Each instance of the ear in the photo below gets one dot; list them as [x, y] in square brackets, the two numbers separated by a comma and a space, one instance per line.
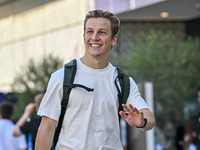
[114, 40]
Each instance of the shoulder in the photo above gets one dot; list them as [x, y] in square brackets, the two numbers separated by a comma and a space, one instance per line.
[57, 77]
[132, 83]
[59, 73]
[133, 87]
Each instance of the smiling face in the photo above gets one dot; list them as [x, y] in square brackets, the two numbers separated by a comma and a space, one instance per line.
[97, 38]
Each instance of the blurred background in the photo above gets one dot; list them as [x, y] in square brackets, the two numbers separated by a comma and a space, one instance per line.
[158, 43]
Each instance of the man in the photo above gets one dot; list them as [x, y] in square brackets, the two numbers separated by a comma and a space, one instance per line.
[7, 140]
[91, 119]
[27, 125]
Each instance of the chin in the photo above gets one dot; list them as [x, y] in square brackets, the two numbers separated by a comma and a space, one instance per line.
[95, 53]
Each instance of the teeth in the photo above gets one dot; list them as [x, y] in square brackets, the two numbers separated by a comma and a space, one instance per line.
[94, 45]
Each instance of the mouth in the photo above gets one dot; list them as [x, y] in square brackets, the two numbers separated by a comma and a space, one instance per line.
[95, 45]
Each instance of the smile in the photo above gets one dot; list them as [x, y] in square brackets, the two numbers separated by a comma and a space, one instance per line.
[95, 45]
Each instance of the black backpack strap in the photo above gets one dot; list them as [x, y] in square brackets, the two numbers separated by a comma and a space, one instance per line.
[123, 94]
[69, 75]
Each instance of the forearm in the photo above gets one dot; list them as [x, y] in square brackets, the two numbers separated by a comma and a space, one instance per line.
[21, 121]
[45, 135]
[44, 139]
[150, 119]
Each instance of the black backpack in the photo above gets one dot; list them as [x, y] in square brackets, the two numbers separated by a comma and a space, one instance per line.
[69, 75]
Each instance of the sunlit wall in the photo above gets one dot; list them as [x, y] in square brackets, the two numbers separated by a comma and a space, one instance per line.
[55, 28]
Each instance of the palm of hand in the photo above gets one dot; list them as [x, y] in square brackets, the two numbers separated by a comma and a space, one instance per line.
[134, 117]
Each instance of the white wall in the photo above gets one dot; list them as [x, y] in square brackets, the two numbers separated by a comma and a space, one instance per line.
[55, 28]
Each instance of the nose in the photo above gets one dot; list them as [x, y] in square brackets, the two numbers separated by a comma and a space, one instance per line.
[95, 36]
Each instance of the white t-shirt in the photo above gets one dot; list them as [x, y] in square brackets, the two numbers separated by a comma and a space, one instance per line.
[7, 140]
[91, 119]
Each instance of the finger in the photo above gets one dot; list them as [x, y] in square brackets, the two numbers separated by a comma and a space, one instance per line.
[126, 107]
[122, 114]
[134, 109]
[141, 113]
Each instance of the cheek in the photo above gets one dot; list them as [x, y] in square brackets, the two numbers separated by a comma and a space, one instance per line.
[86, 39]
[107, 40]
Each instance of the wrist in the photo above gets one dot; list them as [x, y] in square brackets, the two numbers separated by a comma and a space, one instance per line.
[145, 122]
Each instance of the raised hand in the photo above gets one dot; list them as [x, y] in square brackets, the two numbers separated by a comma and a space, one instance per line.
[134, 117]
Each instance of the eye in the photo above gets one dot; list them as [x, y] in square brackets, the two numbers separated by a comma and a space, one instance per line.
[102, 32]
[89, 31]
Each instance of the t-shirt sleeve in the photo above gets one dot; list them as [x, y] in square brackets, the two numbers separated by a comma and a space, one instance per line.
[51, 102]
[135, 97]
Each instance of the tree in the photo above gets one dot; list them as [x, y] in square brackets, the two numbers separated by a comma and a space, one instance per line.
[172, 65]
[33, 79]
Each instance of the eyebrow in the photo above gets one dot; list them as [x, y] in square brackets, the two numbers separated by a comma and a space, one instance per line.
[99, 29]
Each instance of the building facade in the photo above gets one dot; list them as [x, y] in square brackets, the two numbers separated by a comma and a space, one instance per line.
[54, 27]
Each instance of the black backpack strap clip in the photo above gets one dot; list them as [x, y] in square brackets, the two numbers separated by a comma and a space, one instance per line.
[81, 86]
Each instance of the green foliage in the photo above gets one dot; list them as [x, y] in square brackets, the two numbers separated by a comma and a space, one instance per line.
[172, 65]
[33, 79]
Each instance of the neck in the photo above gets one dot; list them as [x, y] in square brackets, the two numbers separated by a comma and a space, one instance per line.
[94, 63]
